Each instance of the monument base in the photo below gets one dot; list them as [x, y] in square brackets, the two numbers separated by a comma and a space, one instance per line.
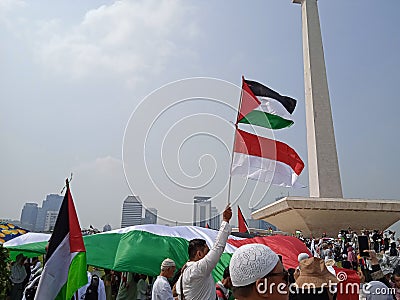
[318, 215]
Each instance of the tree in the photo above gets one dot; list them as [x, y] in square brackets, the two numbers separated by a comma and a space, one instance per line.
[4, 270]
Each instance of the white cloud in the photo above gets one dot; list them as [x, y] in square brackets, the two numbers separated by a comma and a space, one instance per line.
[8, 5]
[132, 38]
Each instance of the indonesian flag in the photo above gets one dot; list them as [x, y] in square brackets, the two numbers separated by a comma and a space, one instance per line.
[65, 269]
[263, 159]
[261, 106]
[242, 224]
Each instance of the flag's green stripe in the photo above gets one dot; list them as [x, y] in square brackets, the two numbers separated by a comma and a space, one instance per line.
[263, 119]
[77, 277]
[220, 267]
[135, 251]
[28, 250]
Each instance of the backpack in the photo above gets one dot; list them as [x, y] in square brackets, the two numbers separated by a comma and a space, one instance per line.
[92, 290]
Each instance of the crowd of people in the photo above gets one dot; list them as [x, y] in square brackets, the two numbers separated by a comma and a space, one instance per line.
[254, 272]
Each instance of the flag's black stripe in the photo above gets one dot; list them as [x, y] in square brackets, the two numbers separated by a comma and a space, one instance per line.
[262, 91]
[61, 228]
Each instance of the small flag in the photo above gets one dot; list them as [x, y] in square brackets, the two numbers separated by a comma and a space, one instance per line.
[261, 106]
[65, 269]
[242, 224]
[263, 159]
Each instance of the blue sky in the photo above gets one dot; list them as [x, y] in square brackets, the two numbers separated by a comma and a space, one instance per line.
[73, 74]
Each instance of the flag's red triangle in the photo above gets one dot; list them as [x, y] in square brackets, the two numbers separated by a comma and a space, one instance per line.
[242, 224]
[248, 102]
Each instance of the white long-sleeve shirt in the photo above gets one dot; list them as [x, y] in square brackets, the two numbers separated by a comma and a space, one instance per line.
[161, 289]
[198, 283]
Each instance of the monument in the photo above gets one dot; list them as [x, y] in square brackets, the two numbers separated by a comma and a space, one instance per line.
[325, 210]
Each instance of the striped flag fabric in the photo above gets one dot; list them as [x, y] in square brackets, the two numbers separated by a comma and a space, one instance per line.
[267, 160]
[142, 248]
[262, 106]
[242, 224]
[64, 271]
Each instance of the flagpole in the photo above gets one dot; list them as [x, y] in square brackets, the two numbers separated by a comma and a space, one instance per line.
[234, 141]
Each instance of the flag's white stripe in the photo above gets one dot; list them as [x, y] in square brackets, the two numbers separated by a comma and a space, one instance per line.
[186, 232]
[273, 107]
[55, 271]
[264, 169]
[27, 238]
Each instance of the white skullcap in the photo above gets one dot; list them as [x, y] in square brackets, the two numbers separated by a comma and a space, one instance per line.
[251, 262]
[167, 263]
[302, 256]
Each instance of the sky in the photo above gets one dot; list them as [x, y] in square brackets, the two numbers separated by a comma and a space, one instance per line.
[99, 89]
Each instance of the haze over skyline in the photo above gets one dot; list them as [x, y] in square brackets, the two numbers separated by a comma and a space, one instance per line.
[72, 76]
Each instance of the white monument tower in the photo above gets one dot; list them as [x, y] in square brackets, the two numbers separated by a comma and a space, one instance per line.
[324, 176]
[325, 210]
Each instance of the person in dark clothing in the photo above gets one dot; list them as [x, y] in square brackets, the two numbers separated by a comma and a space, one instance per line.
[393, 251]
[27, 266]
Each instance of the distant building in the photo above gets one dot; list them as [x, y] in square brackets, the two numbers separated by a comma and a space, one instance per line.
[29, 215]
[51, 203]
[215, 218]
[131, 212]
[259, 224]
[150, 216]
[201, 211]
[50, 221]
[107, 227]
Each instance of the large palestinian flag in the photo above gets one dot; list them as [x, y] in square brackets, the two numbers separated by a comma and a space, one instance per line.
[267, 160]
[261, 106]
[65, 269]
[142, 248]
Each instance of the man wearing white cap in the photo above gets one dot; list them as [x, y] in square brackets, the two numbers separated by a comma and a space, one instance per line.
[196, 281]
[161, 288]
[257, 273]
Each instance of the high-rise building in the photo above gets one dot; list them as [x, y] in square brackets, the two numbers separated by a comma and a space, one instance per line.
[150, 216]
[131, 211]
[215, 218]
[201, 211]
[29, 215]
[50, 221]
[51, 203]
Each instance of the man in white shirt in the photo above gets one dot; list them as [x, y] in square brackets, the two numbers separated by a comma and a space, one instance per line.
[161, 287]
[196, 280]
[18, 275]
[142, 288]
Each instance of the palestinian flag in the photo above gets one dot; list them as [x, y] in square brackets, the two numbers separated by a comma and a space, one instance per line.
[65, 269]
[242, 224]
[263, 159]
[261, 106]
[142, 248]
